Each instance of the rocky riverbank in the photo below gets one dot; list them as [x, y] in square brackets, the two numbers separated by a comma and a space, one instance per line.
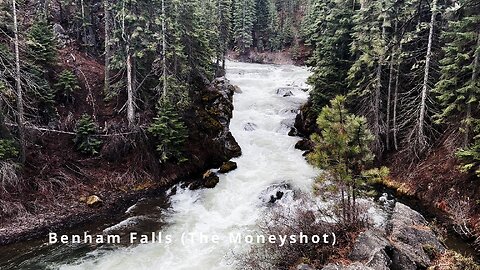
[210, 144]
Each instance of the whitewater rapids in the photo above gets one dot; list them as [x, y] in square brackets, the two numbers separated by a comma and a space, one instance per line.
[262, 117]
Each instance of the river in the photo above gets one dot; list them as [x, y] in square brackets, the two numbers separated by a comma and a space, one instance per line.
[261, 120]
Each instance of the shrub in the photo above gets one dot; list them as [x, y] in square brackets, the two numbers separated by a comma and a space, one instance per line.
[67, 84]
[85, 140]
[8, 149]
[169, 132]
[470, 157]
[305, 217]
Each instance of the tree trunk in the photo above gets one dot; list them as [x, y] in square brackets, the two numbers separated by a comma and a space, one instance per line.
[130, 96]
[84, 27]
[107, 47]
[389, 100]
[164, 52]
[18, 83]
[377, 95]
[395, 99]
[421, 136]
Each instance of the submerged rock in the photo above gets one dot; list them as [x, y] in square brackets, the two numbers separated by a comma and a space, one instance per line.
[276, 192]
[250, 127]
[285, 91]
[227, 167]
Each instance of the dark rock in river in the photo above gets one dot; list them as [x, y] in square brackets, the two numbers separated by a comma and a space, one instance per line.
[250, 127]
[275, 193]
[304, 145]
[285, 91]
[305, 121]
[209, 180]
[227, 167]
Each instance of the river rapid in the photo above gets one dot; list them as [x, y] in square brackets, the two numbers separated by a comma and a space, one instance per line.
[263, 115]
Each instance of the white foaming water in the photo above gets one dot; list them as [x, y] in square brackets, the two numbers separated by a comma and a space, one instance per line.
[234, 205]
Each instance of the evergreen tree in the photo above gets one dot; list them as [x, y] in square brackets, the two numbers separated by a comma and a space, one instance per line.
[243, 21]
[327, 29]
[41, 43]
[369, 47]
[342, 149]
[459, 87]
[169, 133]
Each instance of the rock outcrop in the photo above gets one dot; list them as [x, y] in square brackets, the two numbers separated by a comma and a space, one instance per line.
[405, 244]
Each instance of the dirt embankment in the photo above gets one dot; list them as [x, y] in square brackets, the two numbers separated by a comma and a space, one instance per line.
[56, 179]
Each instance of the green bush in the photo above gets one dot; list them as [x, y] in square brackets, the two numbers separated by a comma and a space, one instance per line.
[470, 156]
[67, 84]
[169, 132]
[8, 149]
[85, 140]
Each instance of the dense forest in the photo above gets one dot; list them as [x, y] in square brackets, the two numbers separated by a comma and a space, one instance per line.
[88, 86]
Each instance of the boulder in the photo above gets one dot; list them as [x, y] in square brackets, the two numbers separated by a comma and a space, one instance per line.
[227, 167]
[93, 201]
[210, 179]
[367, 244]
[410, 237]
[237, 89]
[285, 91]
[304, 266]
[353, 266]
[304, 145]
[404, 245]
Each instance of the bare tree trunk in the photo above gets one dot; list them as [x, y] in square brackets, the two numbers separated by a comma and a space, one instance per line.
[108, 53]
[130, 96]
[84, 27]
[18, 82]
[395, 99]
[389, 92]
[377, 95]
[164, 52]
[421, 136]
[389, 99]
[475, 71]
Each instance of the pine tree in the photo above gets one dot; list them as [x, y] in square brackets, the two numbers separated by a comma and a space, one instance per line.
[342, 149]
[459, 87]
[85, 140]
[41, 43]
[243, 21]
[169, 133]
[366, 74]
[470, 156]
[66, 85]
[327, 29]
